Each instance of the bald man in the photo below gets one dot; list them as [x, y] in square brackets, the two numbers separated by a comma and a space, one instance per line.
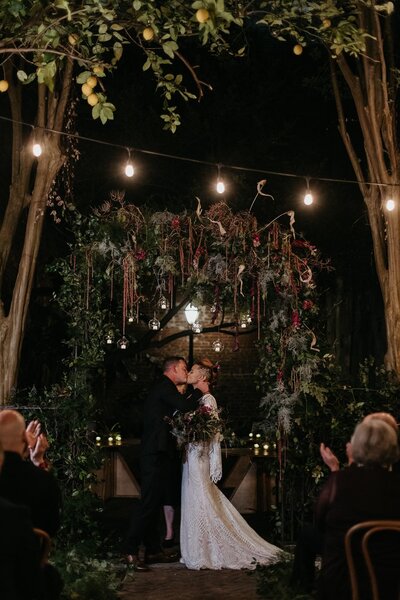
[23, 483]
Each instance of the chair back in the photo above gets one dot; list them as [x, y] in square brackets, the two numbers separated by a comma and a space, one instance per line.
[44, 545]
[370, 528]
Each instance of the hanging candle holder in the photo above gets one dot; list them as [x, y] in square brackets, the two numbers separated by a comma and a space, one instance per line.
[218, 346]
[154, 323]
[163, 303]
[197, 327]
[110, 337]
[123, 343]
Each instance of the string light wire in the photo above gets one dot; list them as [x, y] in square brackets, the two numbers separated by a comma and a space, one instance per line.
[198, 161]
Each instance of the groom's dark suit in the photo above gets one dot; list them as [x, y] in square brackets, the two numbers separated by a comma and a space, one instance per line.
[157, 450]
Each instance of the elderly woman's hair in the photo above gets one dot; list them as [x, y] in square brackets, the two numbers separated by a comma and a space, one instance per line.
[374, 442]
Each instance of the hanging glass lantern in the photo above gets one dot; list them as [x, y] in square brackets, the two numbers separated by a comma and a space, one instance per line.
[154, 324]
[123, 343]
[197, 327]
[243, 322]
[218, 346]
[109, 337]
[163, 303]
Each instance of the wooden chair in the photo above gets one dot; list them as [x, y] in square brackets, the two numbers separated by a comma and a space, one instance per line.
[44, 544]
[370, 528]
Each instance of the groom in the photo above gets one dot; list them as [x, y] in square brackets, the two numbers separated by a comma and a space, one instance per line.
[157, 452]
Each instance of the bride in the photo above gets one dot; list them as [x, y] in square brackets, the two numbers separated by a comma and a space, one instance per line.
[213, 534]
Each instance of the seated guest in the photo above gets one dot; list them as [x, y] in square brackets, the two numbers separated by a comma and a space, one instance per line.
[366, 490]
[310, 540]
[19, 552]
[23, 483]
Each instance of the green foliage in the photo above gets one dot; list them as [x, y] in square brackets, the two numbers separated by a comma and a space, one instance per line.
[86, 578]
[94, 36]
[273, 582]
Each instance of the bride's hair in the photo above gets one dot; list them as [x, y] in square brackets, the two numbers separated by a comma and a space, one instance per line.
[208, 370]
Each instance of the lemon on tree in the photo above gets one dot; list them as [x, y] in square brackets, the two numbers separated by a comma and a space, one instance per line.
[202, 15]
[86, 89]
[3, 85]
[92, 99]
[326, 23]
[148, 34]
[91, 81]
[298, 49]
[98, 70]
[73, 39]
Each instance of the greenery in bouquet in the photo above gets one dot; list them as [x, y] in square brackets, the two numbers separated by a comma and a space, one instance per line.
[199, 425]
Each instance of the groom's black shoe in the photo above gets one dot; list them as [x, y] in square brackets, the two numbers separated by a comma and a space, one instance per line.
[160, 557]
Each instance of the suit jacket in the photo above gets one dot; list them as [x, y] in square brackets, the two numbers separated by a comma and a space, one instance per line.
[23, 483]
[19, 554]
[350, 496]
[163, 400]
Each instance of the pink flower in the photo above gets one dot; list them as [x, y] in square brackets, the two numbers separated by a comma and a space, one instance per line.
[308, 304]
[256, 240]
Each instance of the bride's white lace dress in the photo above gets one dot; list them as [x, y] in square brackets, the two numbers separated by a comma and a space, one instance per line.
[213, 534]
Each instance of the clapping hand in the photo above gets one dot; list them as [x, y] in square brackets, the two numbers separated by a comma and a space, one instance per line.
[37, 443]
[329, 458]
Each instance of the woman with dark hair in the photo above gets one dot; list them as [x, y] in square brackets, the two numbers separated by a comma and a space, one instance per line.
[213, 534]
[367, 490]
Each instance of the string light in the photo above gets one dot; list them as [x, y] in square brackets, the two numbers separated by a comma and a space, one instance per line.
[308, 198]
[129, 168]
[390, 205]
[220, 187]
[197, 161]
[36, 147]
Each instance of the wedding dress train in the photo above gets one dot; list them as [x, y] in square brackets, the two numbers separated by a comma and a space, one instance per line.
[213, 533]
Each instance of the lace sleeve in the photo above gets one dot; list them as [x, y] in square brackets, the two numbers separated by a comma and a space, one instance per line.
[215, 458]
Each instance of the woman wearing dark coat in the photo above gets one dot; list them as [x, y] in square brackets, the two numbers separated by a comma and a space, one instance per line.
[366, 490]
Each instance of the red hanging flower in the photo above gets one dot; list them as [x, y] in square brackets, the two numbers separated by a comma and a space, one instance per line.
[140, 255]
[308, 304]
[175, 223]
[256, 240]
[296, 319]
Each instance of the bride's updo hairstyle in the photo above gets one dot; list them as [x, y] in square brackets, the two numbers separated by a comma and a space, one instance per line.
[208, 370]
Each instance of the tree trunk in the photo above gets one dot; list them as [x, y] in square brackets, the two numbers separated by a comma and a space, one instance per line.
[377, 169]
[50, 115]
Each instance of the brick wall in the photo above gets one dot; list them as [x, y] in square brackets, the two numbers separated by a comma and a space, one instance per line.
[235, 390]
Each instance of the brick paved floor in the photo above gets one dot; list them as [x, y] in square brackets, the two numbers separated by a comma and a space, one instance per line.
[175, 582]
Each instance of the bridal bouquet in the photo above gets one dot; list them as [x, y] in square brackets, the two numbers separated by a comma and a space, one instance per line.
[199, 425]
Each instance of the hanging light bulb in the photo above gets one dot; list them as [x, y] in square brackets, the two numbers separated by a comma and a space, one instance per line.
[131, 318]
[308, 198]
[37, 149]
[218, 346]
[390, 205]
[129, 168]
[220, 187]
[163, 303]
[197, 327]
[154, 323]
[191, 313]
[123, 343]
